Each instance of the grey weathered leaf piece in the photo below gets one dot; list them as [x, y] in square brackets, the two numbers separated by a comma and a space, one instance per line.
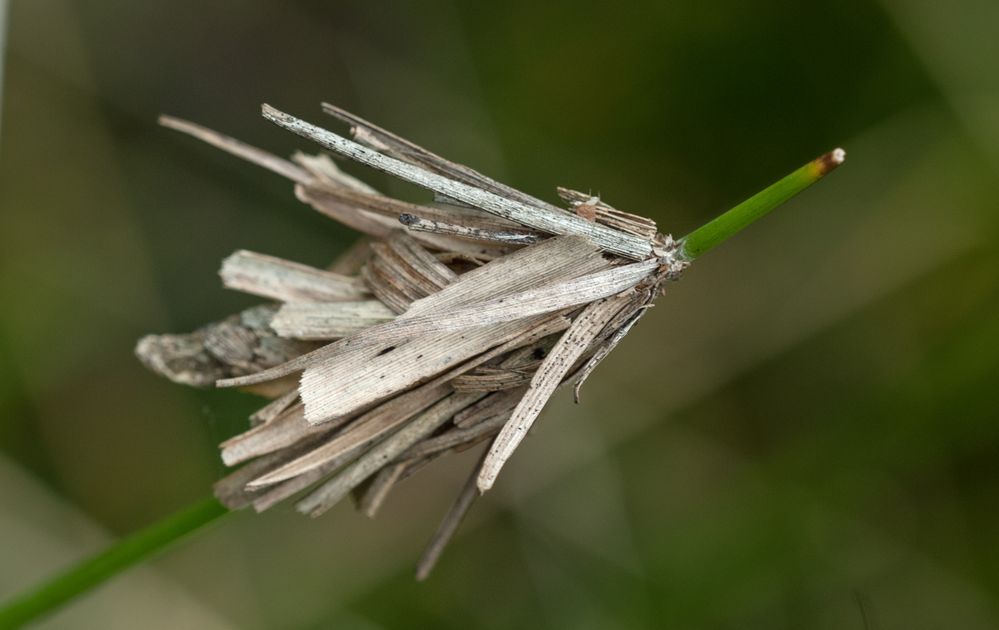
[328, 320]
[285, 281]
[451, 323]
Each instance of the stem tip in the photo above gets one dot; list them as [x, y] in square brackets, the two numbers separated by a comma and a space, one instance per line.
[825, 164]
[735, 220]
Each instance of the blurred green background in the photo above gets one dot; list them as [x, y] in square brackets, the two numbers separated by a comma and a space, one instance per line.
[803, 434]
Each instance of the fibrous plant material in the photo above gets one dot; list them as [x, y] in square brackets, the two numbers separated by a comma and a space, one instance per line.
[452, 323]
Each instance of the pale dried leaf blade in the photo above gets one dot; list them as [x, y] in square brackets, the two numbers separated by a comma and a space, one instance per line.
[328, 320]
[456, 437]
[326, 202]
[231, 489]
[238, 148]
[570, 347]
[351, 260]
[331, 492]
[279, 279]
[507, 237]
[403, 271]
[449, 525]
[274, 408]
[328, 174]
[392, 208]
[493, 405]
[287, 429]
[421, 260]
[373, 372]
[605, 349]
[551, 222]
[551, 260]
[363, 432]
[513, 336]
[555, 259]
[536, 301]
[379, 489]
[387, 142]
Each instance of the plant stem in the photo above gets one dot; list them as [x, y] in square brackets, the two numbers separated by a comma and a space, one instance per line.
[92, 571]
[147, 542]
[735, 220]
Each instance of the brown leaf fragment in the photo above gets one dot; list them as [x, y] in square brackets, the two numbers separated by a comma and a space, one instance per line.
[570, 347]
[446, 530]
[587, 211]
[287, 281]
[394, 274]
[409, 281]
[384, 286]
[402, 271]
[592, 208]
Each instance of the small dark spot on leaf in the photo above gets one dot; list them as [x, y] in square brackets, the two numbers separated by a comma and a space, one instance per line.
[386, 351]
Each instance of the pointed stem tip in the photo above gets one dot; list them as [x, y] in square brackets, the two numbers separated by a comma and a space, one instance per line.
[738, 218]
[828, 162]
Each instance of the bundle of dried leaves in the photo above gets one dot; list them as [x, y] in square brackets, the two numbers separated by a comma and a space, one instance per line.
[452, 323]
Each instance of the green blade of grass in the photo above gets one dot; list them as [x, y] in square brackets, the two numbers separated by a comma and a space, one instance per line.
[738, 218]
[131, 550]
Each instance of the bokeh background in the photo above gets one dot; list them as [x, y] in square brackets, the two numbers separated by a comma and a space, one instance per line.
[803, 434]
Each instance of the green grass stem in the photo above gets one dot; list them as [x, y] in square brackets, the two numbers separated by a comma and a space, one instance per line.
[138, 547]
[738, 218]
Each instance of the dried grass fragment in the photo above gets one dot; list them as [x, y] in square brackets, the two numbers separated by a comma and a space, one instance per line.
[452, 323]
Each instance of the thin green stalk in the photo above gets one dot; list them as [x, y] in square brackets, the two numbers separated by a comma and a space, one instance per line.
[92, 571]
[146, 543]
[735, 220]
